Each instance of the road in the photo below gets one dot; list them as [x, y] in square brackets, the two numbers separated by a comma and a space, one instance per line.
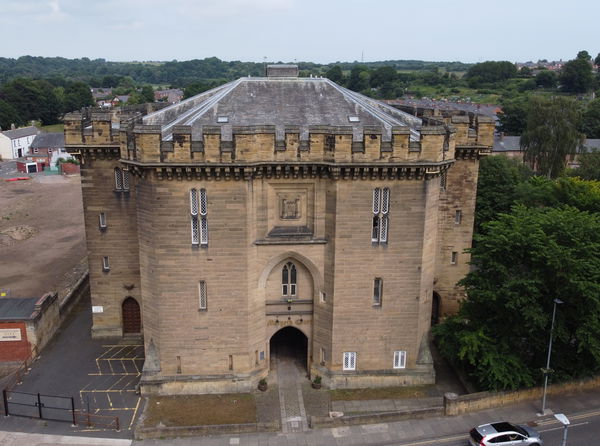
[583, 431]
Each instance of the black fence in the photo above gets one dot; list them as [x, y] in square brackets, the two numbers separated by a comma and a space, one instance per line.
[36, 405]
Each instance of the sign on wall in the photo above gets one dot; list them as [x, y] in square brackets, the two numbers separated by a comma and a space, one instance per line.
[10, 334]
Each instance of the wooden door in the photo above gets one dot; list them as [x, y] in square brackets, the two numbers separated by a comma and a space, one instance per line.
[132, 320]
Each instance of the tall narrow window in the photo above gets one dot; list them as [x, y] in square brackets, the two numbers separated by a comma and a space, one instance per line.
[457, 217]
[349, 361]
[105, 264]
[381, 209]
[454, 257]
[102, 220]
[443, 180]
[377, 291]
[400, 359]
[125, 180]
[121, 179]
[288, 280]
[118, 179]
[199, 221]
[323, 356]
[202, 296]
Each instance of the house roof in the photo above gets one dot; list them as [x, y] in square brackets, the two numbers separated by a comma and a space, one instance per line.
[49, 141]
[282, 101]
[513, 143]
[507, 144]
[22, 132]
[17, 308]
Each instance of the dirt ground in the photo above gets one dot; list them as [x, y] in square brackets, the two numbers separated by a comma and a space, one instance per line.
[42, 236]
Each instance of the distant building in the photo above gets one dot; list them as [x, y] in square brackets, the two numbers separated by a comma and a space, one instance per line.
[15, 143]
[172, 95]
[271, 211]
[51, 145]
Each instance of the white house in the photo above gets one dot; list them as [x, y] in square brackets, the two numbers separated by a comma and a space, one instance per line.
[15, 143]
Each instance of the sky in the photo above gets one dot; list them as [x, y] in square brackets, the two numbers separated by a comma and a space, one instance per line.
[321, 31]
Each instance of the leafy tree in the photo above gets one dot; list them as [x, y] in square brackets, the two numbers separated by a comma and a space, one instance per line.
[525, 72]
[522, 262]
[513, 117]
[575, 192]
[335, 74]
[576, 76]
[147, 94]
[551, 134]
[546, 79]
[589, 166]
[489, 72]
[359, 78]
[597, 60]
[591, 119]
[32, 100]
[497, 185]
[584, 55]
[8, 115]
[76, 96]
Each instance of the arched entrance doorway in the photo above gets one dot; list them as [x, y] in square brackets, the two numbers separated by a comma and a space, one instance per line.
[290, 345]
[132, 320]
[435, 308]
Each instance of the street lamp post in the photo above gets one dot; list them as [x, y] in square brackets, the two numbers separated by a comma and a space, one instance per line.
[547, 369]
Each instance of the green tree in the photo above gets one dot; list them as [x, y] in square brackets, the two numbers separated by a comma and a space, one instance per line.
[546, 79]
[513, 117]
[8, 115]
[576, 76]
[335, 74]
[76, 96]
[589, 166]
[551, 134]
[497, 185]
[147, 94]
[490, 72]
[522, 262]
[591, 119]
[584, 55]
[359, 78]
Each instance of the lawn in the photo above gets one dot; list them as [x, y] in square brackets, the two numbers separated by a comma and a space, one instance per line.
[199, 410]
[383, 393]
[54, 128]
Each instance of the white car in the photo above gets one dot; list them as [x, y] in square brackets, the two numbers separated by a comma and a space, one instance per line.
[504, 434]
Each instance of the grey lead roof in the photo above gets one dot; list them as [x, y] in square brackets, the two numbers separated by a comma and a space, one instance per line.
[49, 141]
[17, 308]
[20, 133]
[281, 102]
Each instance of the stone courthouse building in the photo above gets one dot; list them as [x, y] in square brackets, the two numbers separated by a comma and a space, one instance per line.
[273, 210]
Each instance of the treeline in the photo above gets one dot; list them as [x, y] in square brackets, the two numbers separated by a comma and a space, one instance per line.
[23, 100]
[179, 74]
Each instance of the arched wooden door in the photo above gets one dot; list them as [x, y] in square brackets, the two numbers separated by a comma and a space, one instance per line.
[132, 319]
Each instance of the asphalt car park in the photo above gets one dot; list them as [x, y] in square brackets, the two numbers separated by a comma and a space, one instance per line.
[101, 376]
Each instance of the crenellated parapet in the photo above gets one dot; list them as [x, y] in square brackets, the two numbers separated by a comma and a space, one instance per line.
[255, 144]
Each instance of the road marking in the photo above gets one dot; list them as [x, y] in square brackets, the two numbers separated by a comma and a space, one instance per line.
[434, 441]
[135, 412]
[561, 427]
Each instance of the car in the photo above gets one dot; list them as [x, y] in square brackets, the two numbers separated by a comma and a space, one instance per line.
[504, 434]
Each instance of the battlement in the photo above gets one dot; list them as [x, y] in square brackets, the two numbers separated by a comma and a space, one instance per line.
[249, 144]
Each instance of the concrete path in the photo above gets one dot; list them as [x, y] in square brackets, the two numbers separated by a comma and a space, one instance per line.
[289, 376]
[22, 439]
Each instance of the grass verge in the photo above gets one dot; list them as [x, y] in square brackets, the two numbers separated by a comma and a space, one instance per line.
[383, 393]
[200, 410]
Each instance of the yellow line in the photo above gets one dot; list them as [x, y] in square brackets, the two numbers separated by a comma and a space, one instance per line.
[123, 345]
[113, 374]
[436, 441]
[107, 391]
[135, 412]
